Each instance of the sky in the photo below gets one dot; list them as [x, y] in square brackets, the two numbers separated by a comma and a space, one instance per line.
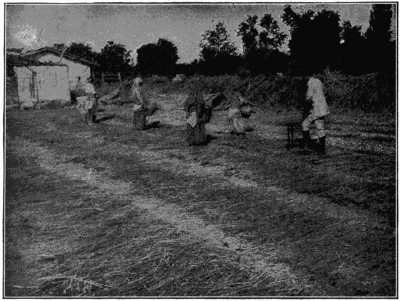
[31, 26]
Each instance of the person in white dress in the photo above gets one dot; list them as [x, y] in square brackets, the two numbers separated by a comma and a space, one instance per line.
[316, 100]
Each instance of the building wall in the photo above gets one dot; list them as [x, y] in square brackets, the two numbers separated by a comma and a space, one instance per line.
[75, 69]
[27, 94]
[42, 83]
[53, 83]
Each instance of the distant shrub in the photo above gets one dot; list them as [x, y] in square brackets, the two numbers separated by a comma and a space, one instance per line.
[367, 93]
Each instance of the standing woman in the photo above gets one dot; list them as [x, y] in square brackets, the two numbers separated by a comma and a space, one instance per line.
[87, 102]
[197, 115]
[91, 102]
[142, 107]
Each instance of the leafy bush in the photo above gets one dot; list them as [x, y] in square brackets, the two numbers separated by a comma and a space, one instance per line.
[367, 93]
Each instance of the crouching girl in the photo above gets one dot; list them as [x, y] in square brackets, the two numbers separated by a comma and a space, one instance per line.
[240, 109]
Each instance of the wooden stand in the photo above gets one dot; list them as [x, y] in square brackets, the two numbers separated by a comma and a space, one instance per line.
[291, 129]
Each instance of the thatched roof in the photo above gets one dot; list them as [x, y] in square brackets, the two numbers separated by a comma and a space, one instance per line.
[45, 50]
[19, 61]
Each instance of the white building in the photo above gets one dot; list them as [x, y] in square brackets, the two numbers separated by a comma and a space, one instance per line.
[77, 67]
[41, 83]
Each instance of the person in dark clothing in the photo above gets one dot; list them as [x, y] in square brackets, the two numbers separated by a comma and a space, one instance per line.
[197, 115]
[143, 107]
[87, 103]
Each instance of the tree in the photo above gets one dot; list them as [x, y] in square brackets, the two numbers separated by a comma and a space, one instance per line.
[157, 58]
[380, 47]
[82, 50]
[271, 38]
[261, 46]
[145, 59]
[216, 43]
[315, 39]
[326, 27]
[248, 32]
[218, 54]
[168, 56]
[352, 49]
[115, 57]
[379, 23]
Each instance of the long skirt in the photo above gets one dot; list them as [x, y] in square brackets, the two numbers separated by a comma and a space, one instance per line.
[151, 109]
[139, 115]
[196, 135]
[87, 106]
[139, 120]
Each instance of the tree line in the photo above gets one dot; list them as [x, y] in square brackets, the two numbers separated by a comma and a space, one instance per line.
[317, 41]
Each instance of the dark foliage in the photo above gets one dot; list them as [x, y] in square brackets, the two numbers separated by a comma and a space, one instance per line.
[157, 58]
[260, 46]
[352, 50]
[315, 39]
[381, 50]
[319, 42]
[114, 57]
[83, 51]
[218, 54]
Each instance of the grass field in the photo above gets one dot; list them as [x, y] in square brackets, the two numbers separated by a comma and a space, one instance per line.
[105, 211]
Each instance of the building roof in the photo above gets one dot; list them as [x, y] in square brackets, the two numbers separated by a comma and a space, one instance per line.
[45, 50]
[14, 51]
[19, 61]
[36, 64]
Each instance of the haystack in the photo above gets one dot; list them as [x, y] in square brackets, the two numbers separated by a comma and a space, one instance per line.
[179, 78]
